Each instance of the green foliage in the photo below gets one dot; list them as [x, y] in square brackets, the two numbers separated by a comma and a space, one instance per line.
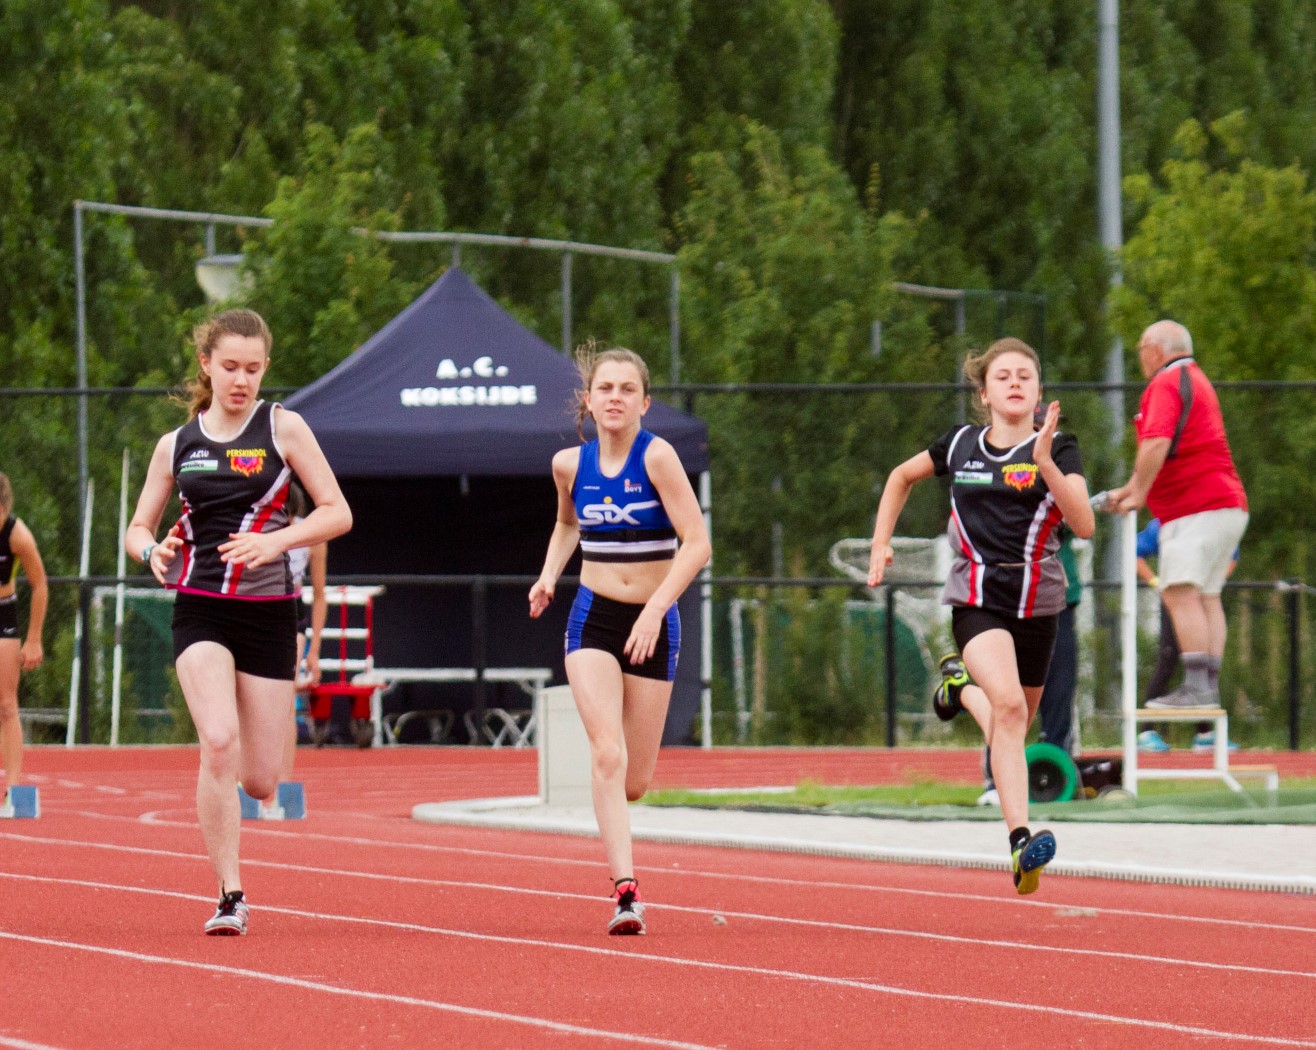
[329, 286]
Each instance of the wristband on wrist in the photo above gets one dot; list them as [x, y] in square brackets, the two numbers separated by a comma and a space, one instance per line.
[1154, 583]
[146, 553]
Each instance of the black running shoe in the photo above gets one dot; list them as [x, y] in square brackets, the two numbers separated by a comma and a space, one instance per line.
[230, 918]
[630, 912]
[946, 698]
[1030, 858]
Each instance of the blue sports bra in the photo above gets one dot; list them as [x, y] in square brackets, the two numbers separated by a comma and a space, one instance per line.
[622, 518]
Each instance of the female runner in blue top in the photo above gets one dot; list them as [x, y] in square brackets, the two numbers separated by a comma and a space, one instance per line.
[626, 499]
[235, 613]
[1011, 487]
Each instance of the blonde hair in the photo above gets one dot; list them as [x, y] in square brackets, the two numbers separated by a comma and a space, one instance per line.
[588, 359]
[977, 367]
[6, 495]
[207, 335]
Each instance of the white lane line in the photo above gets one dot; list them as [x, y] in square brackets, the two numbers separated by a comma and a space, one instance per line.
[23, 1044]
[771, 880]
[357, 993]
[820, 924]
[758, 971]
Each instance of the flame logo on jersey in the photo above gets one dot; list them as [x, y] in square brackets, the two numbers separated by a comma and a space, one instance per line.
[246, 461]
[1019, 476]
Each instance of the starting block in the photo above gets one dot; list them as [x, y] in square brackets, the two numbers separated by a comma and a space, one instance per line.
[289, 803]
[24, 803]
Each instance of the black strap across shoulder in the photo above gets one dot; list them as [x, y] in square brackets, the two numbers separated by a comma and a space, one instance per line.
[1186, 395]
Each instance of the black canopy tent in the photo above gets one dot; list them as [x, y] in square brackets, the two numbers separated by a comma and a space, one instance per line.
[441, 429]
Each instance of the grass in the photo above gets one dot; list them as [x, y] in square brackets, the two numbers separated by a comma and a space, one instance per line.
[1163, 800]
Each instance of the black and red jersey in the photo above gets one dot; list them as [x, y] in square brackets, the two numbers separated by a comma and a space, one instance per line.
[8, 560]
[237, 485]
[1004, 523]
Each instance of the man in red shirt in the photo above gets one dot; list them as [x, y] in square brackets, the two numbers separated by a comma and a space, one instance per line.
[1186, 477]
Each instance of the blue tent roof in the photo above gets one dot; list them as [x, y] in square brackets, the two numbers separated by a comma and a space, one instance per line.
[455, 385]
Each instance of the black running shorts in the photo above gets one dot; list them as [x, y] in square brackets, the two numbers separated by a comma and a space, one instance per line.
[1034, 638]
[261, 635]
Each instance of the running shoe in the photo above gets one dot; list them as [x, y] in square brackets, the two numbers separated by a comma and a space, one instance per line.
[230, 918]
[6, 807]
[630, 912]
[946, 697]
[1152, 741]
[1030, 858]
[1206, 742]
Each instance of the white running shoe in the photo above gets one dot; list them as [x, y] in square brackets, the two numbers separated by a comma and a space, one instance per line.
[629, 918]
[230, 918]
[989, 798]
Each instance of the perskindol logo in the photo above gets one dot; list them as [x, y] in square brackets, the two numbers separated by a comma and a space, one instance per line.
[246, 461]
[609, 513]
[1019, 475]
[470, 395]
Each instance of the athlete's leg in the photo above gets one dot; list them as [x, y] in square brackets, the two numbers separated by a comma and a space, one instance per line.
[990, 659]
[598, 688]
[264, 716]
[11, 727]
[205, 671]
[644, 713]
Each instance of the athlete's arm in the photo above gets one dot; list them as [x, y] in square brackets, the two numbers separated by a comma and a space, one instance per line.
[319, 609]
[24, 546]
[156, 490]
[1070, 490]
[894, 496]
[669, 478]
[566, 532]
[330, 517]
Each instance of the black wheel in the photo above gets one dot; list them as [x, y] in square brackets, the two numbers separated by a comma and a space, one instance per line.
[1052, 775]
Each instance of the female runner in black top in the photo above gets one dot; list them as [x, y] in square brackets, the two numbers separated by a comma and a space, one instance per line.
[18, 547]
[1011, 487]
[235, 614]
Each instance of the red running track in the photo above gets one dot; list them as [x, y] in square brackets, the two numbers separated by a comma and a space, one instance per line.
[371, 930]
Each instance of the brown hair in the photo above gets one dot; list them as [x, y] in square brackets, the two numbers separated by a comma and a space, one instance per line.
[588, 359]
[207, 335]
[6, 495]
[977, 367]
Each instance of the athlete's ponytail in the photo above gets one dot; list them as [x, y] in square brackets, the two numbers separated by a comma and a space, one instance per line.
[588, 359]
[206, 336]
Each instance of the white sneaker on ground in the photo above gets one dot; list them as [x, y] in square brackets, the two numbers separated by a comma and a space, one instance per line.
[989, 798]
